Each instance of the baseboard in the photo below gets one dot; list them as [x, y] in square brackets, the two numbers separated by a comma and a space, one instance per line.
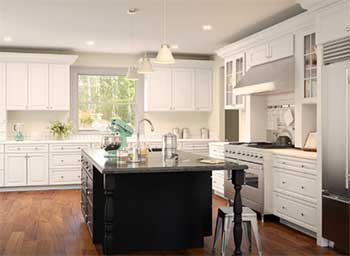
[38, 188]
[300, 229]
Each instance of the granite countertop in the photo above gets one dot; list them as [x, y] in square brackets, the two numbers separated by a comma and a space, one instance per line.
[293, 152]
[187, 162]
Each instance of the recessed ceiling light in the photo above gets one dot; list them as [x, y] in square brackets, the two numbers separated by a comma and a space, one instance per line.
[207, 27]
[90, 43]
[132, 11]
[7, 39]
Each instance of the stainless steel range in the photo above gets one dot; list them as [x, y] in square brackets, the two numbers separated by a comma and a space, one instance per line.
[253, 190]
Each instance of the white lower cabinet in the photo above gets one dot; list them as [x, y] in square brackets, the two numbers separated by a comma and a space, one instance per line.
[295, 191]
[65, 177]
[216, 150]
[37, 169]
[15, 170]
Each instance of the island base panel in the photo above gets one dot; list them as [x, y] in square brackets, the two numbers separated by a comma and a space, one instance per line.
[158, 211]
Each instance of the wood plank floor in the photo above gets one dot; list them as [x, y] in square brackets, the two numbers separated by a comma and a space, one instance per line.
[50, 223]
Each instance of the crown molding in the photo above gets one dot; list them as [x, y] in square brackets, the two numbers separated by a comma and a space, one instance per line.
[38, 57]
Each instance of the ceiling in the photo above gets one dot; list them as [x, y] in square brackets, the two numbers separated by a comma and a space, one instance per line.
[68, 24]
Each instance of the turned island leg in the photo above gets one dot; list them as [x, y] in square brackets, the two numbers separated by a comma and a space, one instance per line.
[109, 214]
[237, 181]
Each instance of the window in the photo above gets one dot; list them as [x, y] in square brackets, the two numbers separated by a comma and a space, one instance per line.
[103, 97]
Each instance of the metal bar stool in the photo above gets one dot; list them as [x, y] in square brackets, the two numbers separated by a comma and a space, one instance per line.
[225, 221]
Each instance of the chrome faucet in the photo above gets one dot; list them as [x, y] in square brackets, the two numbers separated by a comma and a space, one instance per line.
[138, 130]
[136, 150]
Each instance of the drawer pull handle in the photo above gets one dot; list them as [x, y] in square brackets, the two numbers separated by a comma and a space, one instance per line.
[302, 187]
[283, 207]
[302, 166]
[283, 182]
[302, 214]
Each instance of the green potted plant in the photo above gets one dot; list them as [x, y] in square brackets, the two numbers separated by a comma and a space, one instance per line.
[60, 129]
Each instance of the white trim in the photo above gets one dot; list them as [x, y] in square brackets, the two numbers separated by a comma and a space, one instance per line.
[39, 188]
[38, 58]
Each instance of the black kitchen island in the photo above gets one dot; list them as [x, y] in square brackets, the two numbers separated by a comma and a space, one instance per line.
[152, 206]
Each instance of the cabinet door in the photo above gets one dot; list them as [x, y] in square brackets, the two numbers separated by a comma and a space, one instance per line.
[183, 89]
[59, 87]
[17, 86]
[158, 90]
[203, 89]
[15, 170]
[2, 93]
[257, 55]
[38, 86]
[281, 48]
[38, 169]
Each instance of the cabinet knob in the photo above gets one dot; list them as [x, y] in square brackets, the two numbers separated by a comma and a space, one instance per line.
[62, 160]
[302, 187]
[283, 207]
[283, 182]
[62, 177]
[302, 214]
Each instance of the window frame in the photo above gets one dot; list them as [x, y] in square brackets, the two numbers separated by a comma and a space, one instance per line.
[74, 98]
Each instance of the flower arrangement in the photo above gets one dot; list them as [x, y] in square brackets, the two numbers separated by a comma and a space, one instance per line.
[60, 129]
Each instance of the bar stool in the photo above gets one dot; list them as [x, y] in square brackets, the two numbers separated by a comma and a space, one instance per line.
[225, 221]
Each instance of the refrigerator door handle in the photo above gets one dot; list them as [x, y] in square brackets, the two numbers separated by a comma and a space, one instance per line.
[347, 128]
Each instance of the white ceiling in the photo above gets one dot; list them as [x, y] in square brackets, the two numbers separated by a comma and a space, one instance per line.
[67, 24]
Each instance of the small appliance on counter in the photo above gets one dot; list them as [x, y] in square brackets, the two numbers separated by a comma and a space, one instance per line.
[115, 144]
[169, 146]
[177, 132]
[204, 133]
[186, 133]
[18, 133]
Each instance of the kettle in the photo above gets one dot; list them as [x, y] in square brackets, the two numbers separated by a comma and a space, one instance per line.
[284, 141]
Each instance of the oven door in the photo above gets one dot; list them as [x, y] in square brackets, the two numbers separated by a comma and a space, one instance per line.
[253, 188]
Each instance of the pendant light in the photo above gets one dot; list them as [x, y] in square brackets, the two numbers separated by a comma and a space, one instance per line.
[145, 66]
[132, 74]
[164, 55]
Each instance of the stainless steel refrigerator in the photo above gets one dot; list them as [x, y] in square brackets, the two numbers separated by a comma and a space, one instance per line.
[335, 115]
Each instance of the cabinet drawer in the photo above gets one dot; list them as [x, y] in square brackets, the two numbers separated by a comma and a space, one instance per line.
[14, 148]
[295, 184]
[2, 180]
[296, 164]
[2, 165]
[68, 147]
[61, 160]
[296, 212]
[65, 177]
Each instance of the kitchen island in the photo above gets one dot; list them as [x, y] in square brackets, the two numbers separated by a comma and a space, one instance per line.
[152, 206]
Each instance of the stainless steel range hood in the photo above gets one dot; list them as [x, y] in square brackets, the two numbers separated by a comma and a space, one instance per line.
[269, 78]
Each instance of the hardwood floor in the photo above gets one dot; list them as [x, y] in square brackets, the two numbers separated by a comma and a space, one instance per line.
[50, 223]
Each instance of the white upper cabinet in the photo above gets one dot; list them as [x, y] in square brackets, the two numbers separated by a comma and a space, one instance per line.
[59, 87]
[2, 93]
[203, 89]
[38, 86]
[37, 169]
[16, 170]
[334, 23]
[183, 89]
[37, 81]
[158, 90]
[274, 50]
[234, 71]
[17, 86]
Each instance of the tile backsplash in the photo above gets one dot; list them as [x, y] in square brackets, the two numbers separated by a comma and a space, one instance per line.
[280, 121]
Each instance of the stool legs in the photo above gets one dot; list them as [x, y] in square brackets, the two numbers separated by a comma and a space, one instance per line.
[226, 227]
[254, 226]
[217, 230]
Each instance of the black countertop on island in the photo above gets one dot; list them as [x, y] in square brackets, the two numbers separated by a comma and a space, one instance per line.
[187, 162]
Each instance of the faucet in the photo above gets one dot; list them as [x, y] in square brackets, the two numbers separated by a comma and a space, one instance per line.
[138, 130]
[136, 150]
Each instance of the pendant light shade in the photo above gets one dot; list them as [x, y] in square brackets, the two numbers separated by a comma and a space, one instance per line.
[145, 66]
[164, 55]
[132, 74]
